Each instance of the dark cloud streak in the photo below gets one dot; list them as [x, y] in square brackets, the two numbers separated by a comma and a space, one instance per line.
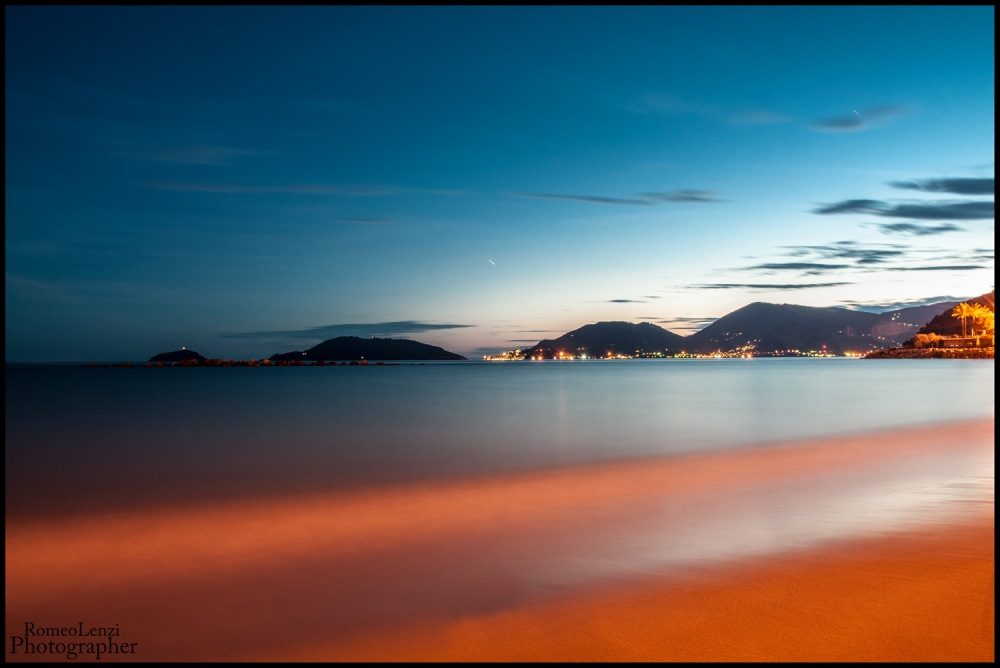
[592, 199]
[953, 267]
[962, 186]
[883, 307]
[849, 250]
[918, 230]
[967, 210]
[331, 331]
[688, 196]
[691, 196]
[767, 286]
[856, 122]
[807, 267]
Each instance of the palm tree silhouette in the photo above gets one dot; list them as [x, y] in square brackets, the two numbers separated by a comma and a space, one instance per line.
[983, 317]
[963, 311]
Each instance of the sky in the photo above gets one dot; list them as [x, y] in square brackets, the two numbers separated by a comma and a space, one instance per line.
[246, 181]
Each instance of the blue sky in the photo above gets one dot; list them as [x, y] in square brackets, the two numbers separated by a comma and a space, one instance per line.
[244, 181]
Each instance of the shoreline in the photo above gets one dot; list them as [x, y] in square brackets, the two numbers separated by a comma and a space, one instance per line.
[932, 353]
[925, 596]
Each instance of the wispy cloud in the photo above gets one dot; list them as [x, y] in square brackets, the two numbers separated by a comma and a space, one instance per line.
[918, 230]
[767, 286]
[857, 121]
[684, 323]
[862, 254]
[698, 196]
[626, 301]
[958, 186]
[367, 221]
[537, 331]
[668, 103]
[882, 306]
[805, 267]
[950, 210]
[352, 190]
[758, 117]
[190, 154]
[362, 330]
[644, 199]
[951, 267]
[674, 105]
[304, 189]
[875, 257]
[593, 199]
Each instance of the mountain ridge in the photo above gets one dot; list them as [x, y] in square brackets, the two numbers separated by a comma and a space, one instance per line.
[758, 328]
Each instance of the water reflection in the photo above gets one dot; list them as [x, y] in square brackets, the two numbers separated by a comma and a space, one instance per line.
[79, 439]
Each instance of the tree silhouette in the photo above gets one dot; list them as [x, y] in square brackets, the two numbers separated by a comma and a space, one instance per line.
[984, 317]
[964, 311]
[926, 340]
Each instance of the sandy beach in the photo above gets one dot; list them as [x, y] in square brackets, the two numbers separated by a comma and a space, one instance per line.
[857, 548]
[927, 596]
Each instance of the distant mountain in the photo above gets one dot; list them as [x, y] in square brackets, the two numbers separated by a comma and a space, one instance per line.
[177, 356]
[614, 338]
[355, 348]
[778, 327]
[945, 324]
[762, 327]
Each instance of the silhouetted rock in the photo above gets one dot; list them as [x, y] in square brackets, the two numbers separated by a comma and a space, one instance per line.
[355, 348]
[177, 356]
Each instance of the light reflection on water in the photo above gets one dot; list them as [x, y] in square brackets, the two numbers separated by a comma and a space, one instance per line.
[678, 534]
[79, 438]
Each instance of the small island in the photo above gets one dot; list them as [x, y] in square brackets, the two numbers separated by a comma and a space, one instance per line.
[356, 348]
[182, 355]
[350, 350]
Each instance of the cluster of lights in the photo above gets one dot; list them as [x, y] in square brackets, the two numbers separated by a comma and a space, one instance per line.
[746, 352]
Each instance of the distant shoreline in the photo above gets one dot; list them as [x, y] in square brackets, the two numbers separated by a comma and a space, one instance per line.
[932, 353]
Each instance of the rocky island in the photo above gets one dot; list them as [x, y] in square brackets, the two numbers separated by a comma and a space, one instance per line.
[356, 348]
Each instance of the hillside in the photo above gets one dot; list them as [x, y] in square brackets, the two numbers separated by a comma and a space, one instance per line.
[779, 327]
[610, 338]
[355, 348]
[945, 324]
[759, 327]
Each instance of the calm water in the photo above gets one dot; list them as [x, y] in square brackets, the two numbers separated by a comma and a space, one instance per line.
[79, 438]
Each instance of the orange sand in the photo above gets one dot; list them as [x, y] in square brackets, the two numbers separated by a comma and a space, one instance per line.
[927, 597]
[418, 571]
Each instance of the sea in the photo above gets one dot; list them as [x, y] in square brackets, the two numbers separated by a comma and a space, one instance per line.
[83, 439]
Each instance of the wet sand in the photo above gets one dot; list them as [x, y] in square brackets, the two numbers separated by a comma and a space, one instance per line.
[756, 553]
[928, 596]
